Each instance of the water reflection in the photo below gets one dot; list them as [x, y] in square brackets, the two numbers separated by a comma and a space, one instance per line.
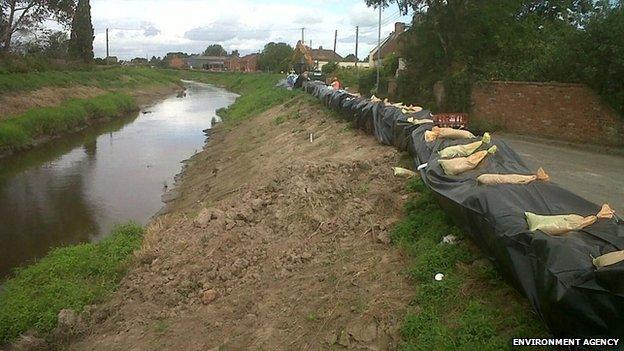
[76, 188]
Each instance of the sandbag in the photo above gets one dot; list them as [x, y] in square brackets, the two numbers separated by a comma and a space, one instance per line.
[402, 172]
[447, 133]
[455, 166]
[416, 121]
[562, 224]
[494, 179]
[464, 150]
[608, 259]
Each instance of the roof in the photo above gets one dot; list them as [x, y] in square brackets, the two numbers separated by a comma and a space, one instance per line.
[321, 54]
[201, 59]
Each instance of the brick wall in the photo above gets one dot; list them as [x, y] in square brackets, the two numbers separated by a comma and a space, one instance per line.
[570, 112]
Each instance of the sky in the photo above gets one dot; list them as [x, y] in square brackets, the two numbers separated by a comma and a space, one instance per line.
[146, 28]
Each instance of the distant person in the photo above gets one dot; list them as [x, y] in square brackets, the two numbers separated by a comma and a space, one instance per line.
[303, 77]
[335, 83]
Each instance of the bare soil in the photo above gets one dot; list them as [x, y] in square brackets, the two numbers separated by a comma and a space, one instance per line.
[275, 243]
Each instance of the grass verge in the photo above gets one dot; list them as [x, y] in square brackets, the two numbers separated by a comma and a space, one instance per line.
[70, 277]
[258, 92]
[21, 131]
[111, 78]
[471, 308]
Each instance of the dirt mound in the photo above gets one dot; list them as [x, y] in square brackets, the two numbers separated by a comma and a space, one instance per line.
[275, 243]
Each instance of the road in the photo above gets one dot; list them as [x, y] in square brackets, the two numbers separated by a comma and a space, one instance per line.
[595, 175]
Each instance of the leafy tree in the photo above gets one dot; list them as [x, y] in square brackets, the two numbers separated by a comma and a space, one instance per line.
[215, 50]
[329, 67]
[275, 57]
[235, 53]
[350, 58]
[28, 16]
[81, 38]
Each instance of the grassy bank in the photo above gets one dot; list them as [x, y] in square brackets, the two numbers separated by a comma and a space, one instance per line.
[111, 78]
[70, 277]
[472, 307]
[257, 90]
[22, 131]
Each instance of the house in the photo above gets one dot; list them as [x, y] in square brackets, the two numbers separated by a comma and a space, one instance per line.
[177, 62]
[351, 61]
[391, 45]
[216, 63]
[248, 63]
[321, 57]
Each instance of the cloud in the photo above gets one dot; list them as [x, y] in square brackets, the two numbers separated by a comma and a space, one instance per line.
[151, 31]
[226, 29]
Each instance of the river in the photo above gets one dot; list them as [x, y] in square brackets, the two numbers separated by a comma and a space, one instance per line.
[75, 189]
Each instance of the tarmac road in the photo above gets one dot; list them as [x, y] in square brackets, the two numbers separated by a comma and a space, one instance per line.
[597, 175]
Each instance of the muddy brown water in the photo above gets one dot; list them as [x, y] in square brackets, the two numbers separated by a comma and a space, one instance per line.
[77, 188]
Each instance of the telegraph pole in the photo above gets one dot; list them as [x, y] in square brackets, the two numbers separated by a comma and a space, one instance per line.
[357, 32]
[335, 38]
[302, 36]
[378, 49]
[107, 54]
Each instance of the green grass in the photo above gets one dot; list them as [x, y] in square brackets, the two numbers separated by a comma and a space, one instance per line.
[22, 130]
[111, 78]
[472, 307]
[257, 90]
[70, 277]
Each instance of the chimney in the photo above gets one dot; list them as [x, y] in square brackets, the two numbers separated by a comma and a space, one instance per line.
[399, 27]
[320, 47]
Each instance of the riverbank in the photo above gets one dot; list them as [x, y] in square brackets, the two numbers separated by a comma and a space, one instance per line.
[38, 107]
[280, 239]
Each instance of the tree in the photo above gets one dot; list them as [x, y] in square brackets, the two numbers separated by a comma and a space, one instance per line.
[215, 50]
[275, 57]
[350, 58]
[81, 38]
[235, 53]
[28, 15]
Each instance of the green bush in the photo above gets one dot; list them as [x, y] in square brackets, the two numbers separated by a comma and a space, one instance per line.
[330, 67]
[67, 278]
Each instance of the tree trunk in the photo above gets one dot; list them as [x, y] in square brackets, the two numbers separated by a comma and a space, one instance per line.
[8, 29]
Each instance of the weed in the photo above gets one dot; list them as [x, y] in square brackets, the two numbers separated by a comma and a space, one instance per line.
[471, 308]
[70, 277]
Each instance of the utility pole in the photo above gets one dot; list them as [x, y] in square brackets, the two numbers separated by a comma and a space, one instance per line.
[357, 32]
[107, 54]
[335, 38]
[302, 36]
[378, 50]
[310, 43]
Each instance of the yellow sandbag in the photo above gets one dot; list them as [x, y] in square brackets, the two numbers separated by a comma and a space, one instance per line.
[402, 172]
[464, 150]
[608, 259]
[459, 165]
[415, 121]
[375, 99]
[447, 133]
[561, 224]
[493, 179]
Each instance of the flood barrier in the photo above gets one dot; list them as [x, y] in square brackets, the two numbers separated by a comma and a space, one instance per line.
[573, 297]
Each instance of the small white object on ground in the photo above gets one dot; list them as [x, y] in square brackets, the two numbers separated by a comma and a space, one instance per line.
[449, 239]
[439, 276]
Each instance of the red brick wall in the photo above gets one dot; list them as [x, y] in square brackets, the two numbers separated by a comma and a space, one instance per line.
[570, 112]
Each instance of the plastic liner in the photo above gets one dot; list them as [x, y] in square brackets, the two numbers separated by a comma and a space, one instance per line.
[573, 297]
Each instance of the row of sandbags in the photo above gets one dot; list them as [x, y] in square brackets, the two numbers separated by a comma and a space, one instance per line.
[574, 279]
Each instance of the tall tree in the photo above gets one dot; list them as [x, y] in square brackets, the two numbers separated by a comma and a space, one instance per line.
[275, 57]
[215, 50]
[81, 39]
[28, 15]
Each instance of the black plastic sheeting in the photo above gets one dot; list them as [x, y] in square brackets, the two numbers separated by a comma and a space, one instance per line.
[556, 274]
